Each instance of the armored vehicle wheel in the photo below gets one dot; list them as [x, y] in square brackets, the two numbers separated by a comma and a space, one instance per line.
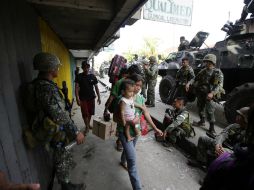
[166, 85]
[240, 97]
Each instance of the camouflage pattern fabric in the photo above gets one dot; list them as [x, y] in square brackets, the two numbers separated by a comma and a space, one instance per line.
[143, 89]
[205, 145]
[232, 135]
[208, 81]
[51, 101]
[63, 163]
[151, 91]
[183, 77]
[175, 129]
[45, 62]
[205, 108]
[151, 78]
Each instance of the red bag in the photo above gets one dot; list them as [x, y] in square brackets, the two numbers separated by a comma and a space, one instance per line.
[144, 126]
[117, 63]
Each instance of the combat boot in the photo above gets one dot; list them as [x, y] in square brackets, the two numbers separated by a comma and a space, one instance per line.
[200, 123]
[71, 186]
[150, 105]
[211, 132]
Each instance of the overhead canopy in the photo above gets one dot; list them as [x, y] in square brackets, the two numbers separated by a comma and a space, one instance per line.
[87, 24]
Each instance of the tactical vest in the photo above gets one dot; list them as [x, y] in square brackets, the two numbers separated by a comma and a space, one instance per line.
[43, 130]
[183, 76]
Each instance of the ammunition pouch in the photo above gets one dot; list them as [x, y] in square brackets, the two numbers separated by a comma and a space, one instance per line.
[45, 131]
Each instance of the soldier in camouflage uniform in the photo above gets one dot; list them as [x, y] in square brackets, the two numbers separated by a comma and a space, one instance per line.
[151, 73]
[50, 102]
[209, 85]
[184, 44]
[225, 141]
[184, 77]
[144, 83]
[179, 120]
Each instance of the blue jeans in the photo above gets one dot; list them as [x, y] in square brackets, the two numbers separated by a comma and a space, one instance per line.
[129, 155]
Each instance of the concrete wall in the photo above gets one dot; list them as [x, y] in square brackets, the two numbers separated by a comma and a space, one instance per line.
[19, 42]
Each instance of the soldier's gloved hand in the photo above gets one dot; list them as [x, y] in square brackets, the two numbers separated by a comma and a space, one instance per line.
[80, 138]
[218, 149]
[210, 96]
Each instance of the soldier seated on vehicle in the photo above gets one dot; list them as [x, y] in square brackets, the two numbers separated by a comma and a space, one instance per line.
[177, 122]
[248, 8]
[184, 44]
[224, 142]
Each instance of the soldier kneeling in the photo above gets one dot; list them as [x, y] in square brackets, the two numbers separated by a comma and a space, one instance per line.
[224, 142]
[177, 122]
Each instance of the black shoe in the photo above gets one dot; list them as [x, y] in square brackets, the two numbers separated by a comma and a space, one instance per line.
[197, 164]
[71, 186]
[167, 144]
[198, 123]
[147, 103]
[211, 132]
[150, 106]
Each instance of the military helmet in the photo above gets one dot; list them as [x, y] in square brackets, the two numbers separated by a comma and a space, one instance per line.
[244, 113]
[145, 61]
[45, 62]
[185, 58]
[211, 58]
[152, 59]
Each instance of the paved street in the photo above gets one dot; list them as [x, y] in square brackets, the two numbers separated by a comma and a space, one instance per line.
[159, 168]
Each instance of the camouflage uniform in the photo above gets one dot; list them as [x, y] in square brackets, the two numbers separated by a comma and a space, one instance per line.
[50, 102]
[144, 83]
[184, 44]
[176, 128]
[231, 135]
[151, 76]
[207, 81]
[50, 99]
[184, 76]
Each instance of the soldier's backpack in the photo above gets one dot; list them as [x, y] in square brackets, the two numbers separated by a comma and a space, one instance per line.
[41, 129]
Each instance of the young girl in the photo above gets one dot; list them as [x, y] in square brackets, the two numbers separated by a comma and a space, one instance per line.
[127, 108]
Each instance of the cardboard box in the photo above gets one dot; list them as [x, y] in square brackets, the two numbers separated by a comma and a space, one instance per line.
[104, 129]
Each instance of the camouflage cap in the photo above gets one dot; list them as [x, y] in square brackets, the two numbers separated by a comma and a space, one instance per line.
[45, 62]
[152, 59]
[211, 58]
[244, 113]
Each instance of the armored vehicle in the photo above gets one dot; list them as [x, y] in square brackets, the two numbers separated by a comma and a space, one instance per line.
[235, 57]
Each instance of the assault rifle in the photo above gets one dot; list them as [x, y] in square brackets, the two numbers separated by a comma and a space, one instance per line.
[68, 103]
